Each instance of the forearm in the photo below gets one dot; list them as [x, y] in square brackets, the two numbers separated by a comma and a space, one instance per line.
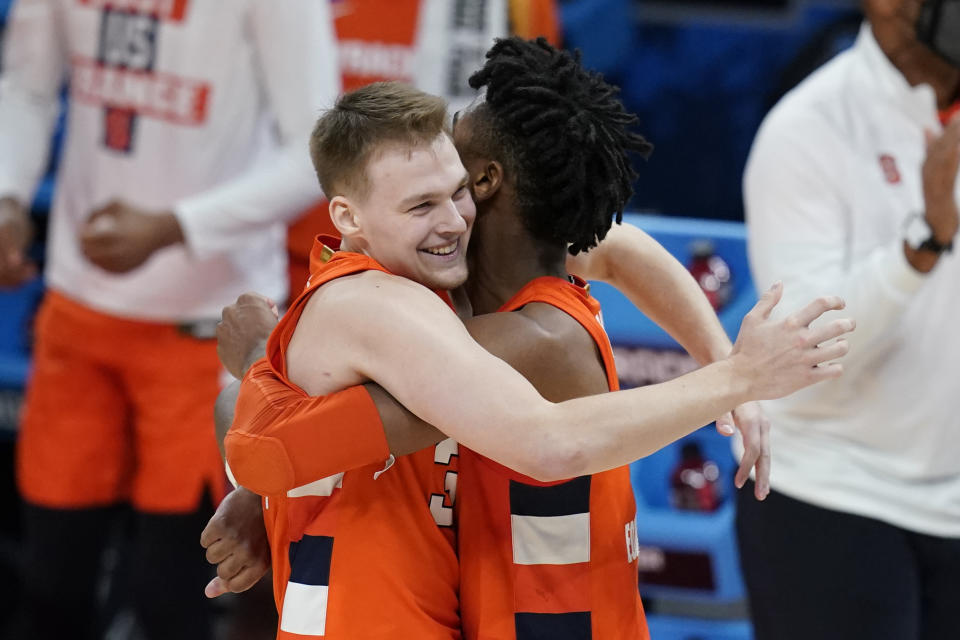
[223, 410]
[29, 96]
[405, 432]
[597, 433]
[26, 126]
[662, 288]
[507, 421]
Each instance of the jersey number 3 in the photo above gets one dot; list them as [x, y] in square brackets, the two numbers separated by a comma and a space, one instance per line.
[441, 504]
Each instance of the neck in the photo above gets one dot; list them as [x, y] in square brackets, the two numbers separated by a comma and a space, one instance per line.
[919, 65]
[504, 257]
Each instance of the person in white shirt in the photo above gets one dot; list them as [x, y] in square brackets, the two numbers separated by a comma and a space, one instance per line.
[851, 187]
[186, 151]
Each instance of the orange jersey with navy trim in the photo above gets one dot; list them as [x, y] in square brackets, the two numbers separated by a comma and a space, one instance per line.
[549, 560]
[368, 553]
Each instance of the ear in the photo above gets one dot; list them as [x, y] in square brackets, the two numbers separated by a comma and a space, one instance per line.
[487, 180]
[344, 217]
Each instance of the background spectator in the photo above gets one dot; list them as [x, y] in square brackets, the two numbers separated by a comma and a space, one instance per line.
[184, 153]
[851, 188]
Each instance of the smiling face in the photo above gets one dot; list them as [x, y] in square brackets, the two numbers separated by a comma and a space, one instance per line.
[416, 216]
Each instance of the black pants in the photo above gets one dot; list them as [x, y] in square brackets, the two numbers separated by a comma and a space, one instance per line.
[161, 575]
[813, 573]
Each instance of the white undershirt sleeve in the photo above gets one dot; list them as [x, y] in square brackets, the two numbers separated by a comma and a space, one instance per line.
[33, 73]
[296, 52]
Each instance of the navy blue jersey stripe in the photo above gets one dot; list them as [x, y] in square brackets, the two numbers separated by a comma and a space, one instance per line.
[310, 560]
[562, 499]
[553, 626]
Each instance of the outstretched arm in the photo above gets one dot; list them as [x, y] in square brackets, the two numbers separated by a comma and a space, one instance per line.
[446, 378]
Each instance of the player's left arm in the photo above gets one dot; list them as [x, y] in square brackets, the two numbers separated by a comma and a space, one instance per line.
[662, 288]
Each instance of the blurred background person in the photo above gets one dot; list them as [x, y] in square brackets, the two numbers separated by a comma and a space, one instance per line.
[185, 151]
[851, 187]
[431, 44]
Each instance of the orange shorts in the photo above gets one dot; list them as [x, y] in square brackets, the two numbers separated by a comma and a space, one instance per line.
[118, 410]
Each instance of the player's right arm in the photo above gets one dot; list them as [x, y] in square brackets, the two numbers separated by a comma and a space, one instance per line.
[33, 72]
[403, 337]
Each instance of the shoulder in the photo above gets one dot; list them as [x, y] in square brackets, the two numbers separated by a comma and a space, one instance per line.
[373, 313]
[373, 296]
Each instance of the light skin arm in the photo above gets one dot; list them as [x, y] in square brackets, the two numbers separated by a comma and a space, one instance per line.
[241, 340]
[447, 379]
[662, 288]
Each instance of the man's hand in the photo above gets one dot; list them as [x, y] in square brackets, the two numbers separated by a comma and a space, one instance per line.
[242, 333]
[16, 230]
[774, 358]
[120, 237]
[755, 430]
[236, 541]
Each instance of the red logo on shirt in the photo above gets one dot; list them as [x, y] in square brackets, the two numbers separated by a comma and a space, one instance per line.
[890, 171]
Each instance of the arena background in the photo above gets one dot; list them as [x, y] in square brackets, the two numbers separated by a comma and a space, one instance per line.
[701, 75]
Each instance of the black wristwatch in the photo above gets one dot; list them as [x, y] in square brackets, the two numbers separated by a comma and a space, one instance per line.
[919, 236]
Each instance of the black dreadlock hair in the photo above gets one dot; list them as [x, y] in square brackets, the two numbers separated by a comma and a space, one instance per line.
[563, 134]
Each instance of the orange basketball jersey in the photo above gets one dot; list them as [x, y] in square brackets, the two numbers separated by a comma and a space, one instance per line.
[549, 560]
[368, 553]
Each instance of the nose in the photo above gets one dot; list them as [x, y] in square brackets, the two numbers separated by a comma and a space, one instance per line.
[451, 221]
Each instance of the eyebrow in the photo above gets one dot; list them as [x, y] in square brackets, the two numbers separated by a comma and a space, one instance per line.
[420, 197]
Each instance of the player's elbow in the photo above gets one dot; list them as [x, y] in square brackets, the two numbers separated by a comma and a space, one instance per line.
[556, 459]
[259, 463]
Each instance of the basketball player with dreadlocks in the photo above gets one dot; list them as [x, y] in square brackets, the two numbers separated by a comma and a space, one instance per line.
[442, 376]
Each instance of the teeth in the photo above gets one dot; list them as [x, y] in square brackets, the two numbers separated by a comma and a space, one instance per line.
[443, 251]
